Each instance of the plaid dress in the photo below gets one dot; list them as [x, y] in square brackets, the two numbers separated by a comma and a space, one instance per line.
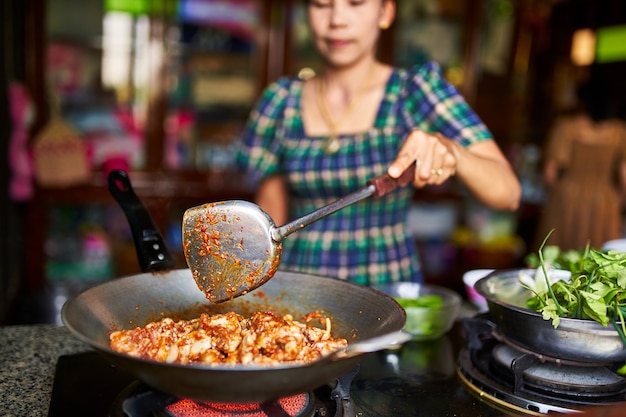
[366, 242]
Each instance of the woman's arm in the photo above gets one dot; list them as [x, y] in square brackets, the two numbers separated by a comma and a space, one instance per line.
[484, 169]
[272, 197]
[460, 144]
[481, 166]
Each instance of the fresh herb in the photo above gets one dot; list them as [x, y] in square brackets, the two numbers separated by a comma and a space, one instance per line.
[569, 260]
[596, 291]
[425, 301]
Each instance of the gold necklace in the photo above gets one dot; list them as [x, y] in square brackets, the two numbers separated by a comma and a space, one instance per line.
[331, 142]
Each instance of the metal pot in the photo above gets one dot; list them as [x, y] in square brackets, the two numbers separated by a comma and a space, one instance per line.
[574, 339]
[357, 313]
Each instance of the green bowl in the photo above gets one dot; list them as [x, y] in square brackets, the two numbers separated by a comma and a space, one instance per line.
[430, 309]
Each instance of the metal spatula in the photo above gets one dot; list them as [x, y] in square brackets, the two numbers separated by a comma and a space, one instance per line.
[233, 247]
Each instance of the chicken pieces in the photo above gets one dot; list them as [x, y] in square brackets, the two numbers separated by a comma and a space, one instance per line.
[263, 339]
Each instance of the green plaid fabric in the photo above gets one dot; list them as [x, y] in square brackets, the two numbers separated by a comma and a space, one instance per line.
[367, 242]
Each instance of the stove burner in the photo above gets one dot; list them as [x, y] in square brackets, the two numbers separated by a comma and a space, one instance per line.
[564, 379]
[293, 406]
[524, 382]
[139, 400]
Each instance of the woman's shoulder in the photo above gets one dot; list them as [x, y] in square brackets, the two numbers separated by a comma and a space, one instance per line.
[425, 72]
[424, 81]
[277, 94]
[283, 85]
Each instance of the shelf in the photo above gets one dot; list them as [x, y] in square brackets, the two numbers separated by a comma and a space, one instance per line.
[162, 193]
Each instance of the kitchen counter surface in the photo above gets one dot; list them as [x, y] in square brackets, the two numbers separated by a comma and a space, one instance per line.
[29, 356]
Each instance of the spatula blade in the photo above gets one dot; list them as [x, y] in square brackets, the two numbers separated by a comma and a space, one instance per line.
[229, 248]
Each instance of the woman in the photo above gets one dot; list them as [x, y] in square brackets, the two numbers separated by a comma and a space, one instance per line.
[311, 142]
[585, 173]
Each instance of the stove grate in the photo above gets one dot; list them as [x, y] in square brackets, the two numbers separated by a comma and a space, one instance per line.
[506, 377]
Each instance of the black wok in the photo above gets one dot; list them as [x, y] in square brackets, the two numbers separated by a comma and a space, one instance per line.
[574, 339]
[357, 313]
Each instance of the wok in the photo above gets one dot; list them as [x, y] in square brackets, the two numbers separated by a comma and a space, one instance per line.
[574, 339]
[358, 313]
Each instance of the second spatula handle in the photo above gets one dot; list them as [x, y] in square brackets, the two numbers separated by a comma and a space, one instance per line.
[385, 184]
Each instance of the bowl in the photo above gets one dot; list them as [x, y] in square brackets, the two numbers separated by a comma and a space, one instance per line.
[615, 244]
[470, 278]
[430, 309]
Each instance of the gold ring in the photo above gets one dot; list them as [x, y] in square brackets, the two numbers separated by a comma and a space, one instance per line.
[436, 171]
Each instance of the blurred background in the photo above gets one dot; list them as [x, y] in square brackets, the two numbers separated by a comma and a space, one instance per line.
[162, 89]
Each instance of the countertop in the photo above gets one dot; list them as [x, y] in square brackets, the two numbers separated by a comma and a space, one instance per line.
[29, 356]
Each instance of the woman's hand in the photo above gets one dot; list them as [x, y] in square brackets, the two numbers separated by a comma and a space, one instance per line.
[482, 167]
[433, 154]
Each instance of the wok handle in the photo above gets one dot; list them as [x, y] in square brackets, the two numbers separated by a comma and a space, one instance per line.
[152, 253]
[385, 184]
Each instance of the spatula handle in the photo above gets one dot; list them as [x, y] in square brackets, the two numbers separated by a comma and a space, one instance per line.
[378, 187]
[385, 184]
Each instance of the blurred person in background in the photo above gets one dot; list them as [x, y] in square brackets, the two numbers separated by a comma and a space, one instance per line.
[310, 142]
[585, 173]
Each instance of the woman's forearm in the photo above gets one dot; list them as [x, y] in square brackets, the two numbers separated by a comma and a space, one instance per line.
[272, 197]
[487, 174]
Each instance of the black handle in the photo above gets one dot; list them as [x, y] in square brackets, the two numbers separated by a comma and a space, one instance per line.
[152, 252]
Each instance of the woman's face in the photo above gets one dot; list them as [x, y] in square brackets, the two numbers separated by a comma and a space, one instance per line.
[345, 31]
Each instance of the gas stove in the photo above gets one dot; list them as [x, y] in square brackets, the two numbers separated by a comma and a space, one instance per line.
[470, 372]
[519, 381]
[418, 379]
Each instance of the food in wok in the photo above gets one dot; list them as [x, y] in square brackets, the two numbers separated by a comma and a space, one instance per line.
[264, 338]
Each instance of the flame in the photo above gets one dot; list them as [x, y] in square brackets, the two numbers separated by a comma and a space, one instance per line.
[292, 406]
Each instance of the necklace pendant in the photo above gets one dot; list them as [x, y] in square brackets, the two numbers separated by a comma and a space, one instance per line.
[331, 144]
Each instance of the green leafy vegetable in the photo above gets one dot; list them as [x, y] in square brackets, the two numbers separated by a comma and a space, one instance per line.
[424, 301]
[569, 260]
[597, 290]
